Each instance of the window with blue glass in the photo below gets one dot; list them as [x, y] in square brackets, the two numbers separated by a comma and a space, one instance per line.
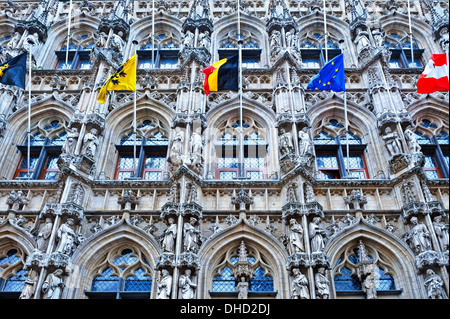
[402, 57]
[314, 54]
[226, 282]
[13, 282]
[127, 277]
[45, 150]
[151, 152]
[434, 142]
[227, 149]
[77, 57]
[164, 52]
[331, 154]
[251, 51]
[346, 280]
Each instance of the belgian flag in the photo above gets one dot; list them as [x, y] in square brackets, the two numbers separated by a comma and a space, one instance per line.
[223, 75]
[13, 72]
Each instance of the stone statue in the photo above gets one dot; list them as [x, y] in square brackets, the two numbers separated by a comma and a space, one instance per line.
[196, 142]
[170, 235]
[186, 286]
[295, 237]
[322, 284]
[205, 40]
[30, 286]
[392, 142]
[188, 40]
[299, 288]
[66, 237]
[117, 42]
[191, 235]
[53, 285]
[290, 39]
[164, 285]
[178, 140]
[43, 236]
[378, 37]
[242, 289]
[70, 143]
[90, 143]
[411, 140]
[12, 44]
[100, 40]
[362, 40]
[275, 39]
[317, 234]
[305, 144]
[419, 237]
[435, 286]
[285, 142]
[370, 286]
[292, 194]
[309, 193]
[441, 230]
[76, 195]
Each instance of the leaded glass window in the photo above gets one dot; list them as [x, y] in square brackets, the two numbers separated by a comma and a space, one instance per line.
[225, 282]
[106, 282]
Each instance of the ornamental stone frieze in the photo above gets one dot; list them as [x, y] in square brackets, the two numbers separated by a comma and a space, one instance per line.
[302, 209]
[65, 210]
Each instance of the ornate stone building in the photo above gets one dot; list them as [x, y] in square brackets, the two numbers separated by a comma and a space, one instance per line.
[186, 208]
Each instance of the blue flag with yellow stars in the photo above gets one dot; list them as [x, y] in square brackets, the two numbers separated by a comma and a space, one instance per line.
[13, 72]
[331, 77]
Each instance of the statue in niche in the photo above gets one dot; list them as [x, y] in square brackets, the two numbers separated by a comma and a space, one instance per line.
[205, 40]
[392, 142]
[309, 193]
[317, 235]
[164, 285]
[305, 144]
[186, 286]
[299, 288]
[191, 196]
[419, 237]
[370, 286]
[70, 143]
[116, 42]
[411, 141]
[196, 147]
[14, 42]
[242, 289]
[170, 234]
[290, 39]
[76, 195]
[191, 235]
[275, 39]
[54, 285]
[441, 230]
[295, 237]
[30, 286]
[292, 194]
[177, 144]
[188, 40]
[43, 236]
[322, 284]
[378, 36]
[66, 237]
[90, 143]
[285, 142]
[362, 40]
[435, 286]
[100, 40]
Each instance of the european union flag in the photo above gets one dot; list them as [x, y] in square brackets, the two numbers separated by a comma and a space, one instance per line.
[331, 77]
[13, 72]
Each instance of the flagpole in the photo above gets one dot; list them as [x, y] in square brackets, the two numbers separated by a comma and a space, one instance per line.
[346, 132]
[68, 33]
[134, 122]
[241, 133]
[29, 114]
[410, 33]
[326, 31]
[153, 34]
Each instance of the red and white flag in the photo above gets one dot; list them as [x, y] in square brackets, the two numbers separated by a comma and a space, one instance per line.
[435, 76]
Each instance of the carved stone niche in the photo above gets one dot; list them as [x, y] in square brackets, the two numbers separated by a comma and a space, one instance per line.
[165, 260]
[288, 162]
[402, 161]
[429, 259]
[297, 260]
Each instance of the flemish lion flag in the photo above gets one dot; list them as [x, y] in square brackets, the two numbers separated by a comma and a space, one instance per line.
[123, 79]
[13, 72]
[223, 75]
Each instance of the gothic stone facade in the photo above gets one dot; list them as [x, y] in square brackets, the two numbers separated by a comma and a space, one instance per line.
[190, 205]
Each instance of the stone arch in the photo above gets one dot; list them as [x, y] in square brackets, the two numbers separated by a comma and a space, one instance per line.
[397, 254]
[46, 56]
[212, 252]
[89, 254]
[253, 25]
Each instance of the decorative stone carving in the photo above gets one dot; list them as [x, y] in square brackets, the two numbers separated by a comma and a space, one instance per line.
[356, 200]
[435, 286]
[305, 146]
[170, 234]
[30, 285]
[242, 200]
[419, 237]
[43, 236]
[322, 284]
[71, 141]
[53, 285]
[295, 244]
[191, 235]
[317, 235]
[441, 231]
[299, 287]
[90, 143]
[242, 288]
[187, 287]
[16, 200]
[411, 141]
[392, 142]
[66, 238]
[285, 142]
[164, 285]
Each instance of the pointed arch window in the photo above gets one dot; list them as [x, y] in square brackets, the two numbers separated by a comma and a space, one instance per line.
[331, 154]
[45, 149]
[251, 50]
[78, 55]
[164, 50]
[126, 277]
[312, 48]
[434, 142]
[399, 44]
[13, 282]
